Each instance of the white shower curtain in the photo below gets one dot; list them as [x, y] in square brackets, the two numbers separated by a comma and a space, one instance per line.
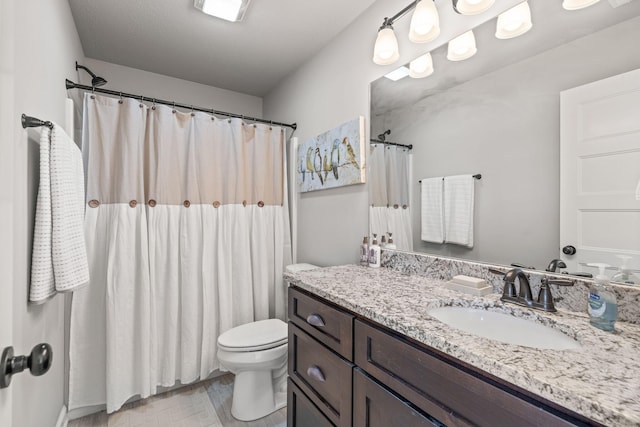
[187, 234]
[389, 194]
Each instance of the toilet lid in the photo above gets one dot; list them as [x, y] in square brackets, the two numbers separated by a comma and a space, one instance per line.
[259, 335]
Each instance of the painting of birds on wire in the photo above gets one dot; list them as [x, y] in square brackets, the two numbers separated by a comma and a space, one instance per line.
[332, 159]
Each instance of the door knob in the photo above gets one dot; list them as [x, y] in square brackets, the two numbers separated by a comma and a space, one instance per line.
[38, 363]
[569, 250]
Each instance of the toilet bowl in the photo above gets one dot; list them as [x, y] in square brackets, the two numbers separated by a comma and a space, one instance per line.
[257, 354]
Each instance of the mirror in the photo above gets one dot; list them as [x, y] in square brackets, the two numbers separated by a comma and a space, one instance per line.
[498, 114]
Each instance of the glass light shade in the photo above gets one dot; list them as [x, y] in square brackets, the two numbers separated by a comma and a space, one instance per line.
[577, 4]
[229, 10]
[514, 22]
[421, 67]
[472, 7]
[462, 47]
[425, 22]
[385, 51]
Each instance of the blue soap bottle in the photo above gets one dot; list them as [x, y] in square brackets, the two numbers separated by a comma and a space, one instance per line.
[603, 307]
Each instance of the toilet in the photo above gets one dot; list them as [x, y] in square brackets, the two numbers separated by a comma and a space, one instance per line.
[257, 354]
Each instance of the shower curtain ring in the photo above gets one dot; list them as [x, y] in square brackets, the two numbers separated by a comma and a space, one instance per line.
[153, 104]
[120, 100]
[270, 124]
[192, 113]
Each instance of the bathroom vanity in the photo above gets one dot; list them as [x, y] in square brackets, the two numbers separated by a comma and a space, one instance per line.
[364, 352]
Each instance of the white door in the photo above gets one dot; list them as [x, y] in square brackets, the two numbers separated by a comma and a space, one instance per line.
[6, 194]
[600, 169]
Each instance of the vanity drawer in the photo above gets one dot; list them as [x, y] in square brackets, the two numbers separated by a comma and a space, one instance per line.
[441, 389]
[375, 406]
[322, 375]
[330, 326]
[301, 412]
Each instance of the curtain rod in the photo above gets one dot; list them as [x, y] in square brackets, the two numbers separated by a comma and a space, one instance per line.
[476, 176]
[379, 141]
[71, 85]
[32, 122]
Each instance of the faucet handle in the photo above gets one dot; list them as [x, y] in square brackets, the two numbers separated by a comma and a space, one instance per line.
[559, 282]
[545, 299]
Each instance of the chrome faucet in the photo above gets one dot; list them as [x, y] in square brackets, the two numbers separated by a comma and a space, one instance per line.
[523, 297]
[555, 264]
[524, 288]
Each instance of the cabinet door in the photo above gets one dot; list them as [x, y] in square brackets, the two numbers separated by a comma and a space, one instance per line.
[330, 326]
[322, 375]
[301, 412]
[375, 406]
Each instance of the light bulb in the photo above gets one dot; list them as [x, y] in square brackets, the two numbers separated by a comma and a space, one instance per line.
[425, 22]
[462, 47]
[385, 51]
[421, 67]
[514, 22]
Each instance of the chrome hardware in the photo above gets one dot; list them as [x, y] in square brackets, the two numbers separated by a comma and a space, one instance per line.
[315, 320]
[523, 297]
[38, 363]
[316, 373]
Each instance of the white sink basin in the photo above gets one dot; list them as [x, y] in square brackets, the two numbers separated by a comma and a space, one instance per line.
[504, 328]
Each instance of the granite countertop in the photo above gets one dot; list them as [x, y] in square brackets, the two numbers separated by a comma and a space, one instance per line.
[600, 380]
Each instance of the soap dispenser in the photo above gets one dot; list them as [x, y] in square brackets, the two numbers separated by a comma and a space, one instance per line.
[374, 253]
[625, 274]
[390, 244]
[364, 252]
[603, 307]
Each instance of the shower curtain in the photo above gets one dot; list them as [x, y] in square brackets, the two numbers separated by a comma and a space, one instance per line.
[187, 232]
[389, 194]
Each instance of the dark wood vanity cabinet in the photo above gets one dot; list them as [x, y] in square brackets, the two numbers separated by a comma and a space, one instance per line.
[348, 371]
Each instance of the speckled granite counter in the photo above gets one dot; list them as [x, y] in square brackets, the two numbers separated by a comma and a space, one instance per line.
[601, 380]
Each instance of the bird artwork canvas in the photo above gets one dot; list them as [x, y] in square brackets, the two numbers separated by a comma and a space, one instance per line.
[332, 159]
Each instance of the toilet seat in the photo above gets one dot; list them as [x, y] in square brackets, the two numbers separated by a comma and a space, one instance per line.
[255, 336]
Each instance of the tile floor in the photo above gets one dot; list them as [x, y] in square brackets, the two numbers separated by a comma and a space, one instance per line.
[185, 407]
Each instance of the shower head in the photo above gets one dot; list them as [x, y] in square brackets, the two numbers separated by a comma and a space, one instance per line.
[95, 80]
[384, 134]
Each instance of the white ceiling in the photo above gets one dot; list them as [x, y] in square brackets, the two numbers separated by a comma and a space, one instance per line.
[170, 37]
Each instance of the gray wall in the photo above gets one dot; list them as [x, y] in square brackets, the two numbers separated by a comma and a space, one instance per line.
[506, 126]
[332, 88]
[45, 46]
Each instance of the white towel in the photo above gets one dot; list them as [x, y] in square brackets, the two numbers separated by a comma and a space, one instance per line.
[458, 209]
[42, 282]
[59, 250]
[431, 214]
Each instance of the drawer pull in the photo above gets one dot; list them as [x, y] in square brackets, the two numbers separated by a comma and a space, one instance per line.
[315, 320]
[316, 373]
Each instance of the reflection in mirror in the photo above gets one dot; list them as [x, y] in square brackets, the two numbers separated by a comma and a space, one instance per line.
[498, 114]
[389, 213]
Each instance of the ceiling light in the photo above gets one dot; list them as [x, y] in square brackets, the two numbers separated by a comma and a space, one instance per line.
[385, 51]
[471, 7]
[514, 22]
[229, 10]
[577, 4]
[398, 73]
[421, 67]
[425, 22]
[462, 47]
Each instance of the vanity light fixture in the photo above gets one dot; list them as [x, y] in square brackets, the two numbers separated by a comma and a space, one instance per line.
[398, 73]
[514, 22]
[471, 7]
[421, 67]
[229, 10]
[425, 22]
[577, 4]
[462, 47]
